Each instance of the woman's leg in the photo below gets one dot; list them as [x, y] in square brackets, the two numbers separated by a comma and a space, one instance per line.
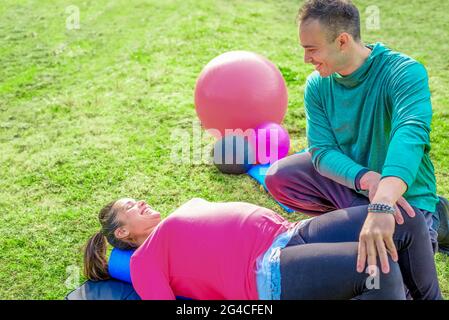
[412, 241]
[326, 271]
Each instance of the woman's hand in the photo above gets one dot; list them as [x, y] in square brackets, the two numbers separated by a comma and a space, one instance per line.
[370, 181]
[376, 240]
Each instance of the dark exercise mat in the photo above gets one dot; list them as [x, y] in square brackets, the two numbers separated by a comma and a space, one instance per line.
[104, 290]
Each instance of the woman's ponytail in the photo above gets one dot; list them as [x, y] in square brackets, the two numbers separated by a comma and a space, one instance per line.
[95, 261]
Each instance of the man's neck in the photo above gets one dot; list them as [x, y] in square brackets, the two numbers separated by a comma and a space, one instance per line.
[361, 53]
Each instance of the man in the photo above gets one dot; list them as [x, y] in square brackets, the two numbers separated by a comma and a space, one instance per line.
[368, 115]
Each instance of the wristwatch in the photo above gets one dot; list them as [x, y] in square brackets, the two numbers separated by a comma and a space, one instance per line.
[381, 208]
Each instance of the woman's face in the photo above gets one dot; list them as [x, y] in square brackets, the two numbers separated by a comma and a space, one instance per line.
[138, 219]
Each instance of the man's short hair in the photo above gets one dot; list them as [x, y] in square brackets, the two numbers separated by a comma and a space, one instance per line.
[337, 16]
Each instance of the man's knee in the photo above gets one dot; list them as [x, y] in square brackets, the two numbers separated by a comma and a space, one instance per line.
[276, 177]
[289, 168]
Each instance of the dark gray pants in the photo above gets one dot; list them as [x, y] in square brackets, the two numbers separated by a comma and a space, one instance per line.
[294, 182]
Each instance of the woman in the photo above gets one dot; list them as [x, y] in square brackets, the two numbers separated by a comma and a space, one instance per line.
[236, 250]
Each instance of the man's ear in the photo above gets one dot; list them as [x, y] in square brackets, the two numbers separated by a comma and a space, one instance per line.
[343, 41]
[121, 233]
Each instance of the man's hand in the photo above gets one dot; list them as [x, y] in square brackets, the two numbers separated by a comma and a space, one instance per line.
[376, 239]
[370, 182]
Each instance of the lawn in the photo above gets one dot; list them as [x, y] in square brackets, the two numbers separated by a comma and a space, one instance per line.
[89, 115]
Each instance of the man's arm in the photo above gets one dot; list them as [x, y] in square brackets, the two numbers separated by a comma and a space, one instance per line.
[389, 191]
[409, 138]
[327, 157]
[411, 119]
[412, 113]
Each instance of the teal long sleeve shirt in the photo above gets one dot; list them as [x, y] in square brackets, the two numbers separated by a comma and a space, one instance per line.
[377, 118]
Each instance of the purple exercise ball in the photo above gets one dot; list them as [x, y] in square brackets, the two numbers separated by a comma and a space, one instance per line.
[272, 142]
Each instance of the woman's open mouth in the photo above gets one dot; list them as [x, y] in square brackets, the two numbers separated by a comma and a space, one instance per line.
[146, 210]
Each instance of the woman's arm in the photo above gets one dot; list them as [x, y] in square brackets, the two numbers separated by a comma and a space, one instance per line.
[149, 280]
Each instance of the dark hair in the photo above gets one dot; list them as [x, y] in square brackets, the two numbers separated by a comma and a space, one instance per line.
[337, 16]
[95, 261]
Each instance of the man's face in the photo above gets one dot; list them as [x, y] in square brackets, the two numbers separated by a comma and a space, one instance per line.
[324, 55]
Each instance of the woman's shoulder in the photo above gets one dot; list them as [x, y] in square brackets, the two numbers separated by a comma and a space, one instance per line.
[197, 200]
[187, 207]
[192, 203]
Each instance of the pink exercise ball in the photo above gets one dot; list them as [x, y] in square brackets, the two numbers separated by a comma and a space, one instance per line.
[272, 143]
[239, 90]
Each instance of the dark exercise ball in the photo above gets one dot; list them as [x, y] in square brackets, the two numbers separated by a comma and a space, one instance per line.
[233, 154]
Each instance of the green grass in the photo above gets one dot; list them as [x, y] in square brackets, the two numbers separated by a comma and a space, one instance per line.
[87, 116]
